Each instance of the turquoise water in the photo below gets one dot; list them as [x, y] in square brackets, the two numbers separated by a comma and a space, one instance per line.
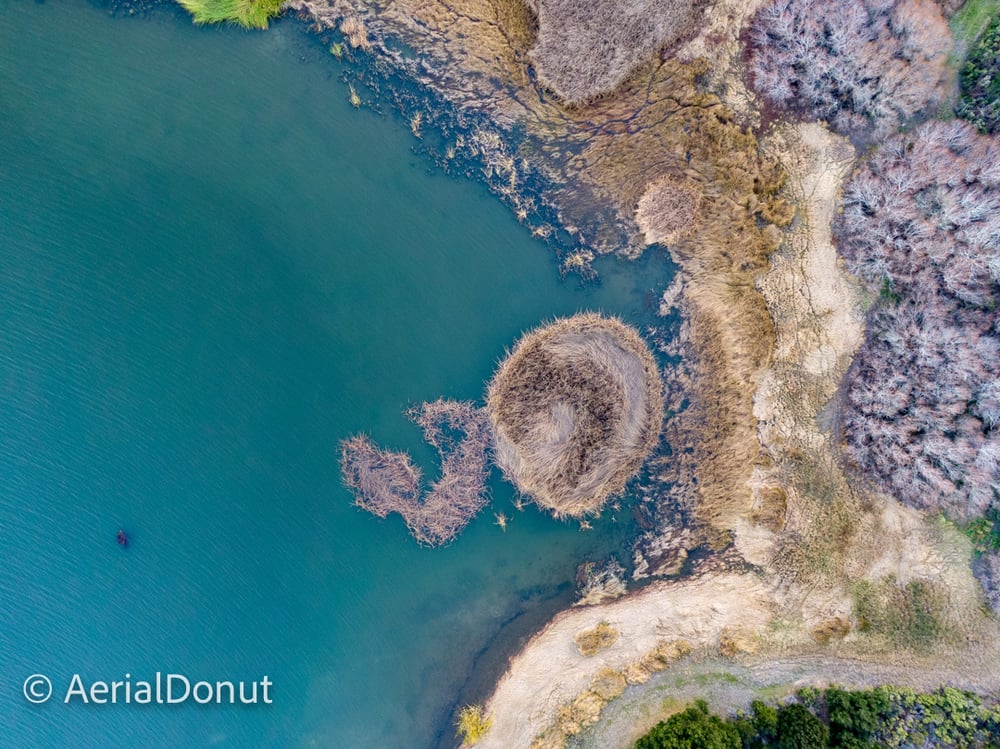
[212, 269]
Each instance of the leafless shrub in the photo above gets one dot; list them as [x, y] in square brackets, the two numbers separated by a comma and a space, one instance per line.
[949, 7]
[576, 408]
[866, 66]
[385, 482]
[921, 224]
[585, 49]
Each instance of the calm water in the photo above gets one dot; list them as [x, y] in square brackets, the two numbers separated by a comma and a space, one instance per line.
[212, 269]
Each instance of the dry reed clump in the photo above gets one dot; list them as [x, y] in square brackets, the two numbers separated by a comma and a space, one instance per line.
[385, 482]
[353, 27]
[586, 49]
[668, 210]
[665, 653]
[736, 641]
[828, 630]
[590, 641]
[576, 407]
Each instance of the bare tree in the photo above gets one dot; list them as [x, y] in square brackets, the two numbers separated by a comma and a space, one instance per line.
[987, 569]
[921, 225]
[866, 66]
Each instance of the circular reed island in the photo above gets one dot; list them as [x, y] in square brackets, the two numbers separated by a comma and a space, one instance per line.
[576, 407]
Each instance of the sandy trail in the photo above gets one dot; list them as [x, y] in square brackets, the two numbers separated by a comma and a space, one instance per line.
[728, 685]
[550, 672]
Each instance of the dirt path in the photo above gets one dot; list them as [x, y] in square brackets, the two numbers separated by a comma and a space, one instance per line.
[550, 672]
[729, 685]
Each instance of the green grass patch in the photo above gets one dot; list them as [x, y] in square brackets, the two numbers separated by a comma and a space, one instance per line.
[250, 14]
[911, 615]
[985, 532]
[971, 20]
[473, 724]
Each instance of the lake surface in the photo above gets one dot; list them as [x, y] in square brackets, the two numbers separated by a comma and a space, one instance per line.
[212, 270]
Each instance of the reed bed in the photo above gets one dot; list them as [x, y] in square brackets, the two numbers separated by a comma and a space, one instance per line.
[576, 407]
[384, 482]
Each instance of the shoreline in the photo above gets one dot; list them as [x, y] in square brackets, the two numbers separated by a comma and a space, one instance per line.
[765, 363]
[740, 480]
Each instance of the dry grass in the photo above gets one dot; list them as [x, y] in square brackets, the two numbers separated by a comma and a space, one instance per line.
[353, 27]
[384, 482]
[668, 210]
[586, 49]
[473, 724]
[576, 408]
[590, 641]
[834, 628]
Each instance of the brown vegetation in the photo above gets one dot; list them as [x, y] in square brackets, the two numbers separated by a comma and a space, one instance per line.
[921, 225]
[668, 210]
[586, 49]
[357, 35]
[866, 66]
[576, 407]
[590, 641]
[835, 628]
[385, 482]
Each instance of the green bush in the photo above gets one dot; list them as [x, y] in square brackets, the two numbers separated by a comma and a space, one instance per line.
[980, 82]
[882, 718]
[855, 717]
[800, 729]
[694, 728]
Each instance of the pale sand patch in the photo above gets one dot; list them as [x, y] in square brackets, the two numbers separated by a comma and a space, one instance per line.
[550, 672]
[815, 304]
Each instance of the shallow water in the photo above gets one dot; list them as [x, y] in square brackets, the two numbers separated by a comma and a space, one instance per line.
[212, 269]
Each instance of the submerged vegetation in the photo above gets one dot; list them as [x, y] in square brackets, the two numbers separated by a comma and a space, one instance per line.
[250, 14]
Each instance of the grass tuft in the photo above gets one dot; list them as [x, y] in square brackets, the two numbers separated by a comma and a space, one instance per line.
[473, 724]
[590, 641]
[970, 22]
[250, 14]
[912, 616]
